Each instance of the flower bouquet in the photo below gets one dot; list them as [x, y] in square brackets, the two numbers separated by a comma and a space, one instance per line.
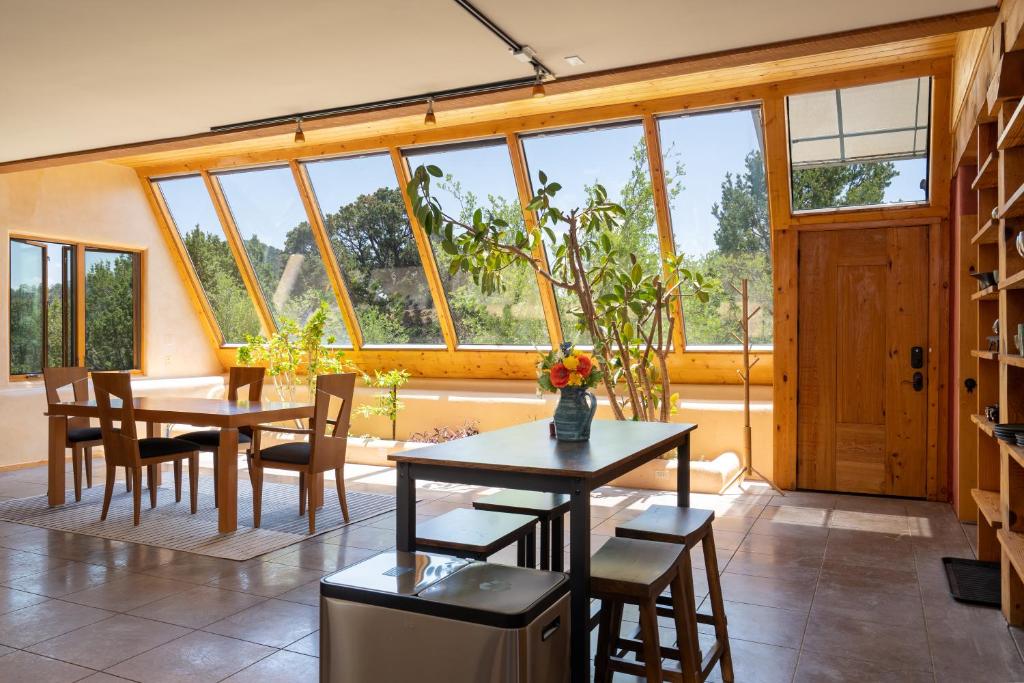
[572, 373]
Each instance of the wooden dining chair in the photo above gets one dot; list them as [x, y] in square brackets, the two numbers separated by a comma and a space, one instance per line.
[208, 440]
[323, 451]
[79, 435]
[123, 448]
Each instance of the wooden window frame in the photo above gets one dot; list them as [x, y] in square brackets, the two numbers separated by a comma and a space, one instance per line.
[702, 365]
[79, 249]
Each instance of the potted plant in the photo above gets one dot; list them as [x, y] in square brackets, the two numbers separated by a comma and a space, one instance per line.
[624, 308]
[570, 372]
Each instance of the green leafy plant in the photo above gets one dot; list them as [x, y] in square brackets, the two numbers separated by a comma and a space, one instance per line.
[294, 349]
[445, 434]
[624, 308]
[387, 403]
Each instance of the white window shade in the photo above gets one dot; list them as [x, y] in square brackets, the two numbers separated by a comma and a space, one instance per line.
[882, 122]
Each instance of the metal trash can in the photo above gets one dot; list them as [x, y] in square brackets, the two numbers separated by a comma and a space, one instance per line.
[400, 617]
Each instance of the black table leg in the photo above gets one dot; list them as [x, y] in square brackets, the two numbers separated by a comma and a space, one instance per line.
[545, 544]
[406, 509]
[579, 581]
[683, 472]
[558, 543]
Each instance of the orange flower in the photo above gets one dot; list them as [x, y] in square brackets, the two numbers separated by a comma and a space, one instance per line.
[559, 375]
[585, 365]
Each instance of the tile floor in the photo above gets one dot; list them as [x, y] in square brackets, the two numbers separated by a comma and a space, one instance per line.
[818, 588]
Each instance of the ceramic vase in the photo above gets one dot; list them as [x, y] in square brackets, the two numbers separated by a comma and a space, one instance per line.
[574, 414]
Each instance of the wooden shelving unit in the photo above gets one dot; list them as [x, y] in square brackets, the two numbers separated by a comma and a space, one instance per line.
[986, 355]
[1014, 361]
[986, 234]
[987, 172]
[983, 424]
[1014, 281]
[1013, 207]
[988, 506]
[1013, 134]
[987, 294]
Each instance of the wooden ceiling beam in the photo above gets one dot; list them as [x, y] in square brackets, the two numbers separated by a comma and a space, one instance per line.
[741, 57]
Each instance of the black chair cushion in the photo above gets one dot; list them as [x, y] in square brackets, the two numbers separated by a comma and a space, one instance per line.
[84, 434]
[210, 438]
[158, 446]
[296, 453]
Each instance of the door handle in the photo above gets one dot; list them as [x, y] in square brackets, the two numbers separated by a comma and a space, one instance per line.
[917, 382]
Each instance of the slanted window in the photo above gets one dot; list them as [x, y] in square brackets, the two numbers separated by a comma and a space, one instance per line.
[718, 201]
[279, 242]
[479, 175]
[614, 156]
[193, 215]
[861, 146]
[364, 214]
[42, 304]
[112, 283]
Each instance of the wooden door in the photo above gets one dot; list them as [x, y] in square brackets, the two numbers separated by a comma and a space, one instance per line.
[863, 306]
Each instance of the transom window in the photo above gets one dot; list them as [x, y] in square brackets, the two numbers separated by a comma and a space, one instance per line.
[860, 146]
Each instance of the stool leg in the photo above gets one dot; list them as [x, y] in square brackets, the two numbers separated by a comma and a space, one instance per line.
[652, 644]
[717, 605]
[521, 551]
[684, 609]
[545, 545]
[531, 549]
[558, 543]
[604, 643]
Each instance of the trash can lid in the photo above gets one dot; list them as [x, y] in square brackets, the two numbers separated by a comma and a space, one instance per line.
[398, 573]
[510, 596]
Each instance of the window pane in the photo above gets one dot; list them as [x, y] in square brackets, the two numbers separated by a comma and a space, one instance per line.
[196, 220]
[110, 310]
[860, 146]
[279, 241]
[480, 175]
[364, 214]
[715, 182]
[615, 157]
[60, 305]
[27, 307]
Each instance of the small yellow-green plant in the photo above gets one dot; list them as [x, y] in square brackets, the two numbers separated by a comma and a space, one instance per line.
[387, 403]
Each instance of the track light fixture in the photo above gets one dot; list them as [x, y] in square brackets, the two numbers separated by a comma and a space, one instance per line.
[538, 84]
[430, 119]
[299, 135]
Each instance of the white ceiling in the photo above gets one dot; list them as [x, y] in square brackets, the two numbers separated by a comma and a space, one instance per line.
[92, 73]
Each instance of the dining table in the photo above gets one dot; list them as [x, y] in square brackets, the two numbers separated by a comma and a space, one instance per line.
[222, 414]
[527, 457]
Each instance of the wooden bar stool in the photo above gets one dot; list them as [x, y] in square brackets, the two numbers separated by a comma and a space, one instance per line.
[627, 571]
[548, 508]
[478, 534]
[688, 527]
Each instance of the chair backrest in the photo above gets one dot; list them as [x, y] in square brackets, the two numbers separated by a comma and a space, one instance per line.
[121, 443]
[241, 376]
[55, 379]
[330, 432]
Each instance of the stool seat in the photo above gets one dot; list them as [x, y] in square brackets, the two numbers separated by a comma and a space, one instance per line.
[536, 503]
[669, 524]
[473, 533]
[635, 568]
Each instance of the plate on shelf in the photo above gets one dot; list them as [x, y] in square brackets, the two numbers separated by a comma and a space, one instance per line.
[986, 278]
[1020, 438]
[1009, 432]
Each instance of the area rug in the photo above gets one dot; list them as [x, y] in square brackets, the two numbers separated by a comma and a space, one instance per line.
[170, 525]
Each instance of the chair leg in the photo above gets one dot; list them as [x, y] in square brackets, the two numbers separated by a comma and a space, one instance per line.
[652, 644]
[604, 648]
[136, 474]
[193, 482]
[339, 484]
[257, 496]
[302, 493]
[127, 480]
[108, 490]
[311, 492]
[76, 468]
[88, 467]
[177, 480]
[558, 543]
[151, 480]
[717, 605]
[216, 479]
[545, 545]
[684, 611]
